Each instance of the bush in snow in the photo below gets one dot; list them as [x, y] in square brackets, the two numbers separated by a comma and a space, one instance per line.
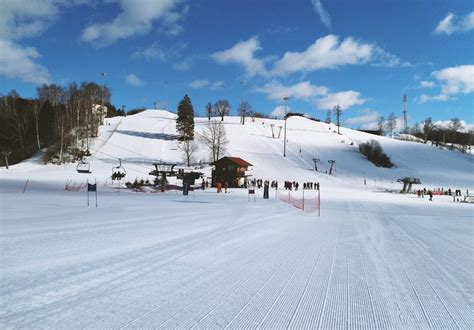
[374, 153]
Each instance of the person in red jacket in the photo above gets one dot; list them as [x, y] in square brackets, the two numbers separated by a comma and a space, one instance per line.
[219, 187]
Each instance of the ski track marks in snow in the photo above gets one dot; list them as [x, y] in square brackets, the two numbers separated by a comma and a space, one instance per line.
[371, 260]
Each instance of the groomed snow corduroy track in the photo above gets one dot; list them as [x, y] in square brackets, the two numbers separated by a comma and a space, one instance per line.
[148, 260]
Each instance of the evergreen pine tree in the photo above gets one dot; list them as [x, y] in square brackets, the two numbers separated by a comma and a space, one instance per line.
[185, 120]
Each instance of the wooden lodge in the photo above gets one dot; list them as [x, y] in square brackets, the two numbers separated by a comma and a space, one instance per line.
[234, 170]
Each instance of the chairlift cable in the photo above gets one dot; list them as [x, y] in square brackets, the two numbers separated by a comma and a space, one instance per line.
[132, 169]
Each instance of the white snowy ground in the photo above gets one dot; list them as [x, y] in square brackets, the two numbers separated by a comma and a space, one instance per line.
[372, 260]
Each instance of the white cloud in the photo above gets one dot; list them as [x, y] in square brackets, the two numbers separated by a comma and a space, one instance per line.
[366, 120]
[184, 64]
[243, 53]
[199, 83]
[319, 95]
[425, 98]
[383, 58]
[136, 18]
[465, 127]
[152, 52]
[344, 99]
[452, 24]
[453, 80]
[303, 90]
[133, 80]
[323, 14]
[21, 19]
[218, 85]
[26, 18]
[324, 53]
[427, 84]
[20, 62]
[456, 80]
[280, 111]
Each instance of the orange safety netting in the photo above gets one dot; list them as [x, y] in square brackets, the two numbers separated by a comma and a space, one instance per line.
[299, 200]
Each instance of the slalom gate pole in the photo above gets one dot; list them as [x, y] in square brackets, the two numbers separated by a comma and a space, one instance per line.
[319, 203]
[87, 188]
[24, 188]
[303, 199]
[96, 192]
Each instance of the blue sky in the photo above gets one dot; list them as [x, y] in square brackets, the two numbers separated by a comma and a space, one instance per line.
[363, 55]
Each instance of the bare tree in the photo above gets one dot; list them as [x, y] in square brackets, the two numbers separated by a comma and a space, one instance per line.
[244, 110]
[391, 123]
[18, 123]
[328, 117]
[209, 110]
[454, 126]
[36, 110]
[427, 128]
[415, 129]
[214, 138]
[188, 149]
[381, 124]
[222, 108]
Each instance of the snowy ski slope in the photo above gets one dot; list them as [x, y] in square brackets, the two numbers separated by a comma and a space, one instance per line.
[150, 136]
[140, 260]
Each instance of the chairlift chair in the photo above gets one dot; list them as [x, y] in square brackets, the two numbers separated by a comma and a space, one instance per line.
[83, 167]
[118, 172]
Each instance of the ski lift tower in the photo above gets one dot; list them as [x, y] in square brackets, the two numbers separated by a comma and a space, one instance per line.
[161, 171]
[316, 161]
[405, 119]
[331, 162]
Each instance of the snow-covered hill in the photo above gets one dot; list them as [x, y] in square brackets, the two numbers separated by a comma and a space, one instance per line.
[370, 259]
[150, 136]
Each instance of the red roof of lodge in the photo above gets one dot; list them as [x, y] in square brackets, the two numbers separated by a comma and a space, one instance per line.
[237, 160]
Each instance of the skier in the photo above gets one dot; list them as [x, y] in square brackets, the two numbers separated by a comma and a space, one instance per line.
[430, 193]
[219, 187]
[226, 185]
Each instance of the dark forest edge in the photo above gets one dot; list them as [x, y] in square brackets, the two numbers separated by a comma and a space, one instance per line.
[56, 122]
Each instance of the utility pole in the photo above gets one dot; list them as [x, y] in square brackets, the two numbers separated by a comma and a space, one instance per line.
[102, 98]
[284, 133]
[166, 97]
[338, 111]
[405, 119]
[6, 154]
[241, 92]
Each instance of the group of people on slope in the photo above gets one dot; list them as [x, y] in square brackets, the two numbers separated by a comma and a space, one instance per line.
[220, 185]
[440, 191]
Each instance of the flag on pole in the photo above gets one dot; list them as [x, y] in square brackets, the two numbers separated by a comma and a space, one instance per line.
[93, 188]
[251, 192]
